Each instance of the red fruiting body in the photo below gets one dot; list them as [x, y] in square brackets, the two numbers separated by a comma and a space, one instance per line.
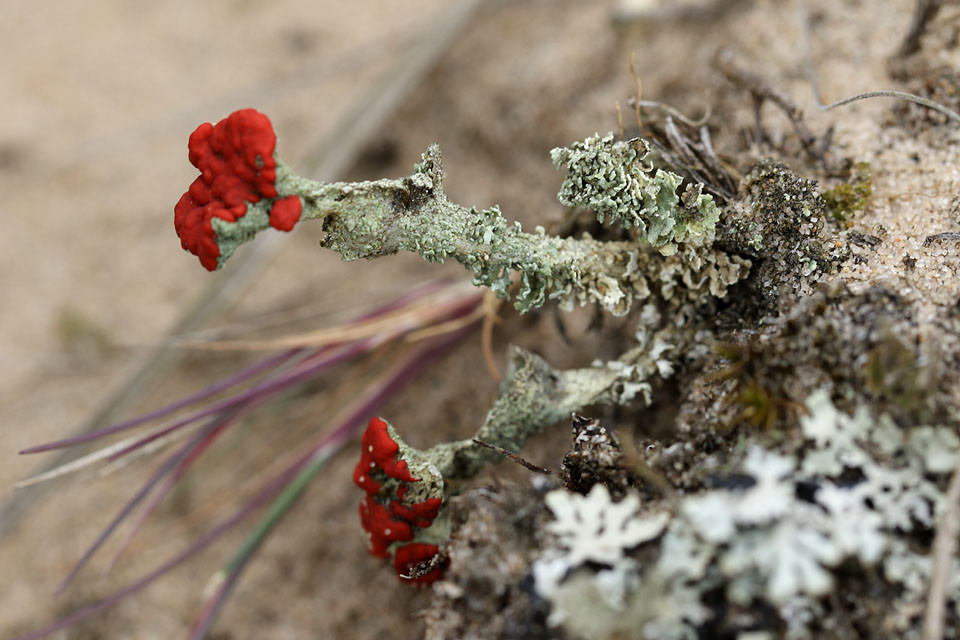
[386, 518]
[380, 451]
[410, 555]
[363, 479]
[285, 213]
[236, 163]
[382, 528]
[420, 515]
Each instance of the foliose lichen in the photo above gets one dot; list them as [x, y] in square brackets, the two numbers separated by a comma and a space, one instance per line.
[779, 538]
[617, 182]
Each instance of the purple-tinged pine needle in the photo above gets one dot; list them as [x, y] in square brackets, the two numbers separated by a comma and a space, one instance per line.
[251, 371]
[257, 368]
[360, 413]
[266, 492]
[327, 445]
[171, 480]
[169, 464]
[292, 481]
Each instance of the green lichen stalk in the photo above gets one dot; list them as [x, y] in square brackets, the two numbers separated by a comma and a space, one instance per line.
[373, 219]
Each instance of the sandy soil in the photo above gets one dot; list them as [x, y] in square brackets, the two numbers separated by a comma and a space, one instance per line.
[100, 97]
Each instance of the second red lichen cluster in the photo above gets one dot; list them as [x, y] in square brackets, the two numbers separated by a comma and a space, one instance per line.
[383, 514]
[237, 167]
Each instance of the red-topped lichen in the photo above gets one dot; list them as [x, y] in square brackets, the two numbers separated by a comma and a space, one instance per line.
[237, 167]
[285, 213]
[385, 515]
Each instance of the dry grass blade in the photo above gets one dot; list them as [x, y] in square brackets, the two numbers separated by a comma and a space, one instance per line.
[99, 455]
[420, 314]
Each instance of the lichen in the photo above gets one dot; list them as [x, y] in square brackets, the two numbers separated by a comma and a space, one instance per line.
[594, 528]
[779, 539]
[366, 220]
[617, 181]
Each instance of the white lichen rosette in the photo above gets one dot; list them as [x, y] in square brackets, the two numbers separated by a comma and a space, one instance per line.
[594, 529]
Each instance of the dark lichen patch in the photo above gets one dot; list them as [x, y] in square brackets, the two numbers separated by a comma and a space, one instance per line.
[595, 456]
[486, 593]
[410, 197]
[846, 200]
[864, 345]
[779, 224]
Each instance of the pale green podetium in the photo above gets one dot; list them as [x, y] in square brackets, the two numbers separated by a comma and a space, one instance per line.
[373, 219]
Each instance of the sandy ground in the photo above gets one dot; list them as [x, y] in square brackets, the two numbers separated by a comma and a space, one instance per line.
[99, 99]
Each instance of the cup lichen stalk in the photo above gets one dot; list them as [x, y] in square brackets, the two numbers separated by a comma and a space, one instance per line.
[404, 512]
[243, 189]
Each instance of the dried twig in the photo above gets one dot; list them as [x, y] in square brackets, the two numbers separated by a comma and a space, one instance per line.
[514, 457]
[681, 151]
[936, 106]
[763, 92]
[944, 548]
[938, 237]
[925, 11]
[634, 102]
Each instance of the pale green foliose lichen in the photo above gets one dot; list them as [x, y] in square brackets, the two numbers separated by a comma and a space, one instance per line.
[534, 395]
[615, 181]
[767, 542]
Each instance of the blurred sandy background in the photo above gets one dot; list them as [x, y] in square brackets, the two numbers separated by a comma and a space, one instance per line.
[98, 99]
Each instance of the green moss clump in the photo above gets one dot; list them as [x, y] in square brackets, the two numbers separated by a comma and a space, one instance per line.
[850, 198]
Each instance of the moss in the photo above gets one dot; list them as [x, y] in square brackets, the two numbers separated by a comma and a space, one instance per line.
[849, 198]
[757, 406]
[893, 373]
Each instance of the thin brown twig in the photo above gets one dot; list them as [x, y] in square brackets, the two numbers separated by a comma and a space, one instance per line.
[639, 97]
[653, 104]
[514, 457]
[762, 92]
[923, 14]
[491, 304]
[944, 548]
[619, 119]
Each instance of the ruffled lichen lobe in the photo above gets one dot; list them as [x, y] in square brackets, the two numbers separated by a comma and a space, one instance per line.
[618, 182]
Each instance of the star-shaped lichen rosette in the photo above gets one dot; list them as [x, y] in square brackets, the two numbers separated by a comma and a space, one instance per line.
[236, 193]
